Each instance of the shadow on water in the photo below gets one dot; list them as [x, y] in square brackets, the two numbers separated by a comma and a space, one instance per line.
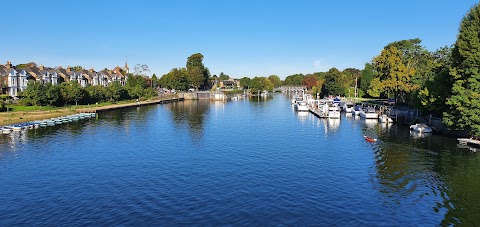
[426, 169]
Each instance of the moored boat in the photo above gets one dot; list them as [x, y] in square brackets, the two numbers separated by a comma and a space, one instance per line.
[385, 119]
[369, 139]
[421, 128]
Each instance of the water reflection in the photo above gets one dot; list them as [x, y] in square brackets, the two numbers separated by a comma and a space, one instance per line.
[192, 113]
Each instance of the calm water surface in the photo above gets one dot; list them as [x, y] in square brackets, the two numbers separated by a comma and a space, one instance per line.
[248, 162]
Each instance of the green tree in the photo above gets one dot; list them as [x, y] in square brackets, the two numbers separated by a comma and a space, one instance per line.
[464, 104]
[295, 79]
[223, 76]
[275, 80]
[365, 78]
[194, 65]
[53, 94]
[438, 87]
[334, 83]
[392, 76]
[260, 84]
[154, 80]
[71, 92]
[245, 82]
[115, 91]
[175, 79]
[96, 93]
[36, 93]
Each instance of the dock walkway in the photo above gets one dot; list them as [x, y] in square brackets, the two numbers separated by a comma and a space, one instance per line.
[121, 106]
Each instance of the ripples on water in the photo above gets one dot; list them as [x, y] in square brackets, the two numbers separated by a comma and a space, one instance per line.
[254, 162]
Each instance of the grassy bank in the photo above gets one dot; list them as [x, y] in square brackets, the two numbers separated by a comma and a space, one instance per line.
[18, 114]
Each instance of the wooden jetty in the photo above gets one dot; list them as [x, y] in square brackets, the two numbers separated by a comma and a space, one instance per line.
[95, 109]
[469, 142]
[317, 112]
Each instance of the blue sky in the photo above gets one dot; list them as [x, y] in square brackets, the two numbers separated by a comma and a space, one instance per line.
[239, 38]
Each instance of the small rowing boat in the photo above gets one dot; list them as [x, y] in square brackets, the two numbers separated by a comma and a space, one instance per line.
[370, 139]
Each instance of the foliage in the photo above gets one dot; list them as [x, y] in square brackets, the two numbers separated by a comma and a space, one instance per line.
[366, 78]
[72, 92]
[175, 79]
[275, 80]
[223, 76]
[438, 87]
[260, 84]
[197, 73]
[154, 80]
[334, 83]
[76, 68]
[295, 79]
[464, 104]
[309, 81]
[245, 82]
[392, 76]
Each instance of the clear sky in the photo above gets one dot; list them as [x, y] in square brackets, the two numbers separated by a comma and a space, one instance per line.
[240, 38]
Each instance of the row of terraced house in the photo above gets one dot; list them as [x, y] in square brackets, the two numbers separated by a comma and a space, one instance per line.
[15, 79]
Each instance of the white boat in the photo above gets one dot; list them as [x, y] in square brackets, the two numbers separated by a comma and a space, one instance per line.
[369, 113]
[302, 106]
[356, 110]
[16, 127]
[296, 99]
[6, 130]
[333, 111]
[385, 119]
[421, 128]
[348, 107]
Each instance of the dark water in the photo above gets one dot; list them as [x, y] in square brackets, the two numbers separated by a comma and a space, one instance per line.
[255, 163]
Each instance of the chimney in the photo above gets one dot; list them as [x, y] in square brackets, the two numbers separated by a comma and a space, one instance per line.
[69, 68]
[9, 65]
[60, 67]
[41, 67]
[91, 70]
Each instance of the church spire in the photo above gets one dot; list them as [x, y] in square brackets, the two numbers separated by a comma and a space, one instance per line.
[126, 66]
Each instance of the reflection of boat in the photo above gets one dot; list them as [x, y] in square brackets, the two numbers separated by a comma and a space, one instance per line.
[385, 119]
[421, 128]
[419, 135]
[369, 139]
[371, 123]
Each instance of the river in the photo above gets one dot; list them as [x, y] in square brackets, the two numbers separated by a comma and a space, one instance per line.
[246, 162]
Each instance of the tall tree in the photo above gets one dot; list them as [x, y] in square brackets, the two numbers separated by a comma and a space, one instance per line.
[223, 76]
[198, 70]
[309, 81]
[334, 83]
[140, 70]
[438, 87]
[245, 82]
[366, 78]
[71, 92]
[275, 80]
[393, 77]
[464, 104]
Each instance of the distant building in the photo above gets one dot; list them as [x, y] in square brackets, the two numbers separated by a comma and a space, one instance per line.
[14, 80]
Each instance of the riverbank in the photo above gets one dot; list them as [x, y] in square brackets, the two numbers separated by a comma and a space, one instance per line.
[26, 116]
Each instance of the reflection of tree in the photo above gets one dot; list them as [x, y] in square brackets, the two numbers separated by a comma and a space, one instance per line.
[261, 98]
[428, 171]
[461, 198]
[192, 113]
